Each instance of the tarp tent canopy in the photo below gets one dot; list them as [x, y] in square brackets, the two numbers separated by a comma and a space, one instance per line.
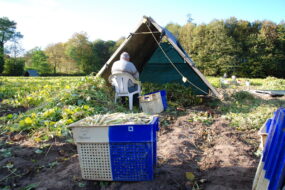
[151, 58]
[159, 66]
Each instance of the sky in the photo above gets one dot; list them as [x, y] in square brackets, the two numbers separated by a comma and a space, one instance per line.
[44, 22]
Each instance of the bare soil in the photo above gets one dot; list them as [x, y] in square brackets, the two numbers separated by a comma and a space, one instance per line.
[7, 109]
[217, 156]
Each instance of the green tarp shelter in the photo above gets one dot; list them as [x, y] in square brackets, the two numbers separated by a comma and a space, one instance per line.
[157, 61]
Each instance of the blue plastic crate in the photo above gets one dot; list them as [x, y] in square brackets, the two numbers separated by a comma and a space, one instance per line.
[132, 161]
[275, 162]
[274, 152]
[134, 133]
[133, 151]
[117, 153]
[267, 125]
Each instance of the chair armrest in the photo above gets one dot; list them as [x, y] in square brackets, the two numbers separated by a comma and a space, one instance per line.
[126, 74]
[110, 79]
[137, 82]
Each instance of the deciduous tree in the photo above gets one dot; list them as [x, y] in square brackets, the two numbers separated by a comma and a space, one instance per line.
[7, 32]
[79, 49]
[38, 60]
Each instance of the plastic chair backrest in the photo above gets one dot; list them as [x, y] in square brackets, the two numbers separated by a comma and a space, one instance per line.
[120, 81]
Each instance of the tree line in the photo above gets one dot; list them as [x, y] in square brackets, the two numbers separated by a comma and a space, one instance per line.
[76, 56]
[239, 47]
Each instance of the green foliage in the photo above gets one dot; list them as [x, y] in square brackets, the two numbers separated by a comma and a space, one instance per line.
[247, 112]
[215, 81]
[14, 67]
[38, 61]
[79, 49]
[30, 186]
[57, 59]
[7, 32]
[243, 96]
[57, 102]
[102, 51]
[237, 47]
[177, 95]
[174, 29]
[79, 55]
[5, 153]
[244, 110]
[269, 83]
[54, 103]
[90, 57]
[117, 44]
[210, 46]
[272, 83]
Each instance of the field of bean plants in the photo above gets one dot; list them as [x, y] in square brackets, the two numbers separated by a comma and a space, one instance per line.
[37, 150]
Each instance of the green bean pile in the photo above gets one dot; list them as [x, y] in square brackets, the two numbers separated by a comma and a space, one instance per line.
[115, 119]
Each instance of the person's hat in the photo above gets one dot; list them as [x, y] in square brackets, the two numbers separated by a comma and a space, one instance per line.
[125, 55]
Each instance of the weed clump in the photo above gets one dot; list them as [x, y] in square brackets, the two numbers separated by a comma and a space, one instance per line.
[242, 96]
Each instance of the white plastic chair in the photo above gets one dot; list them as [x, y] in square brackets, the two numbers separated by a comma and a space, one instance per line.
[120, 81]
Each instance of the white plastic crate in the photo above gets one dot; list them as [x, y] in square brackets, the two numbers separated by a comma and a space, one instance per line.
[93, 152]
[263, 133]
[94, 161]
[154, 102]
[263, 136]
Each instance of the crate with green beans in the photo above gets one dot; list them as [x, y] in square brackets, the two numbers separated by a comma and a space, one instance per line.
[117, 147]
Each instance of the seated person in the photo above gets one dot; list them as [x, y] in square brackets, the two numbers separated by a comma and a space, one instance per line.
[124, 65]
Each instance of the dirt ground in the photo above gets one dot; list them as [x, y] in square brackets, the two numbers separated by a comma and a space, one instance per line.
[6, 109]
[213, 155]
